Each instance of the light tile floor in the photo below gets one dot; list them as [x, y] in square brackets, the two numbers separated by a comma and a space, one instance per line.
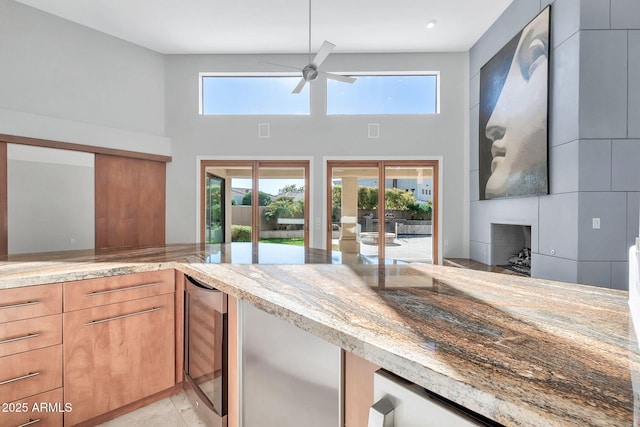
[174, 411]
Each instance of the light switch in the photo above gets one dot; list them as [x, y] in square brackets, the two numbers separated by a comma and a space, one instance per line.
[595, 223]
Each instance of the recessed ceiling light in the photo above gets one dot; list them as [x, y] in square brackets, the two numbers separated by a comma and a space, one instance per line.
[432, 23]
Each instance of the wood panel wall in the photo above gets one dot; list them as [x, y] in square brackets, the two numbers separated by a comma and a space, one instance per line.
[4, 210]
[130, 201]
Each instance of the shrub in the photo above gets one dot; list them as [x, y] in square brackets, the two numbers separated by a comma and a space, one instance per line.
[420, 210]
[240, 233]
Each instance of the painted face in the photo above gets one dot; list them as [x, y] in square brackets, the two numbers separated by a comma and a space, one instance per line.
[517, 125]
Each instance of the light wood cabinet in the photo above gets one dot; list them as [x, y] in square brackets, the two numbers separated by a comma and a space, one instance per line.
[41, 410]
[30, 301]
[117, 353]
[358, 389]
[110, 290]
[30, 354]
[30, 334]
[26, 374]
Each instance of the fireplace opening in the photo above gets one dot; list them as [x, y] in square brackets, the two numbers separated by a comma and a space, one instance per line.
[511, 247]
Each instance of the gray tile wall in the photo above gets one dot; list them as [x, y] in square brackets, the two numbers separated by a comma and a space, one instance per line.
[594, 142]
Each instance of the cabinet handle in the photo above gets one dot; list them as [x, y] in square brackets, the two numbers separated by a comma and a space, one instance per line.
[128, 288]
[24, 377]
[22, 304]
[25, 337]
[122, 316]
[30, 422]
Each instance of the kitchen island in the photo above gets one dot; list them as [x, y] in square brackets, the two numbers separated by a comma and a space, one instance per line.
[517, 350]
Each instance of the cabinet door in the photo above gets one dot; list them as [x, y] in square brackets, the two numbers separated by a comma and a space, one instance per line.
[117, 354]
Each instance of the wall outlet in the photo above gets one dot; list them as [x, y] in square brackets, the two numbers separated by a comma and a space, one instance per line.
[595, 223]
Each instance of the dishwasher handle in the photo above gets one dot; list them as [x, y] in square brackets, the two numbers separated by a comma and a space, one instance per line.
[381, 413]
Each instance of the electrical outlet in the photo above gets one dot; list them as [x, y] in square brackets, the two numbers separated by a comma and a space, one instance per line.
[595, 223]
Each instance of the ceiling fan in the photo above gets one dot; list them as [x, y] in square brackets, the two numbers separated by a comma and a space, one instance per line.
[311, 72]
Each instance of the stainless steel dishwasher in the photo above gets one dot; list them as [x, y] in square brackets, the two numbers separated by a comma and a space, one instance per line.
[205, 350]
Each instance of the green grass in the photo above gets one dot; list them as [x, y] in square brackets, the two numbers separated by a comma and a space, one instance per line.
[283, 241]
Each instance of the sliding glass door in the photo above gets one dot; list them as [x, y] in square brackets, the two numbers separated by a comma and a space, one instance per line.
[383, 211]
[214, 209]
[255, 201]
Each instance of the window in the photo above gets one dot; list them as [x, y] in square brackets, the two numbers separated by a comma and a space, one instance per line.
[384, 94]
[252, 94]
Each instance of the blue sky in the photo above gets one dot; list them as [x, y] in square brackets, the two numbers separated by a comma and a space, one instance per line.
[270, 186]
[368, 95]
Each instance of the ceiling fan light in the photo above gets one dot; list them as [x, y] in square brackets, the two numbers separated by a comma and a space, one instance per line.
[432, 23]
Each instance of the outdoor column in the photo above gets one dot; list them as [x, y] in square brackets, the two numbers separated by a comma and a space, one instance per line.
[348, 242]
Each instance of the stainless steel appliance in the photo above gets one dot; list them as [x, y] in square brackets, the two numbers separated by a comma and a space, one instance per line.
[205, 362]
[401, 403]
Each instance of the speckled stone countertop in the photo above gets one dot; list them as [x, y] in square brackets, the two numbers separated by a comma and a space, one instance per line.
[520, 351]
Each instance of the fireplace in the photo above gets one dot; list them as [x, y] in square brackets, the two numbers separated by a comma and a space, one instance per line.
[511, 247]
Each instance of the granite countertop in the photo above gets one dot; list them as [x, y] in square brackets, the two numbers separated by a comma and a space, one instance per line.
[520, 351]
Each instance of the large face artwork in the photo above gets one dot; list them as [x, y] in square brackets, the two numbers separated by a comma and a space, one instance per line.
[516, 129]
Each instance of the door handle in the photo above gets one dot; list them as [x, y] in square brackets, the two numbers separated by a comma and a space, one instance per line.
[128, 288]
[23, 377]
[21, 304]
[381, 414]
[24, 337]
[122, 316]
[30, 422]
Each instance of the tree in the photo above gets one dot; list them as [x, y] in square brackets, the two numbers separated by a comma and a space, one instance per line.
[263, 199]
[336, 203]
[282, 207]
[398, 199]
[367, 198]
[291, 188]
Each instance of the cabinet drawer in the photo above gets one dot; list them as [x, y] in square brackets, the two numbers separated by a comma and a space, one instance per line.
[126, 348]
[109, 290]
[30, 301]
[41, 410]
[30, 334]
[33, 372]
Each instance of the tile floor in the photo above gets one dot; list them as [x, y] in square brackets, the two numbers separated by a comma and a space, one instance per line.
[174, 411]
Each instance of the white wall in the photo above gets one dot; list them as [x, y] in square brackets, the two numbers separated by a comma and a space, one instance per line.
[63, 81]
[318, 136]
[50, 197]
[66, 82]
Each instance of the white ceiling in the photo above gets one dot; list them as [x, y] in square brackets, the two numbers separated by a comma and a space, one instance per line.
[281, 26]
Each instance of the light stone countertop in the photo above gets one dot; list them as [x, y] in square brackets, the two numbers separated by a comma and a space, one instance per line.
[520, 351]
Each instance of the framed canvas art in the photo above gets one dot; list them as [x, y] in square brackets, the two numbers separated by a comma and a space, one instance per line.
[513, 137]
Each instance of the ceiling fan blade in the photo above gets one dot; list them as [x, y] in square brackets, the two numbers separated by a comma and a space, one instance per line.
[338, 77]
[281, 65]
[300, 86]
[325, 50]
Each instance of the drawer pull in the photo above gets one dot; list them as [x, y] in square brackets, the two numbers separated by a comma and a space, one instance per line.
[128, 288]
[25, 337]
[30, 422]
[24, 377]
[22, 304]
[122, 316]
